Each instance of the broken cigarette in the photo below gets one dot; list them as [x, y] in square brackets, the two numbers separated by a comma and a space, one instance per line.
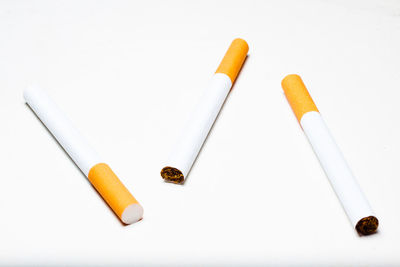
[125, 206]
[335, 166]
[184, 153]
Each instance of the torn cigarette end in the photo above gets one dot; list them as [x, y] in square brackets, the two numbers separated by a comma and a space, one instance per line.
[367, 225]
[172, 175]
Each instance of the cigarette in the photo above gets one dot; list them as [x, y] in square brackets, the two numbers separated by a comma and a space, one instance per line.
[335, 166]
[100, 175]
[201, 120]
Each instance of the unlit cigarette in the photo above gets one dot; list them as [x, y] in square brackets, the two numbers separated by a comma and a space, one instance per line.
[125, 206]
[335, 166]
[184, 153]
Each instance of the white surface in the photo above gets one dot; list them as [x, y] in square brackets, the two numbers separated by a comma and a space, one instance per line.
[62, 129]
[199, 123]
[336, 168]
[127, 72]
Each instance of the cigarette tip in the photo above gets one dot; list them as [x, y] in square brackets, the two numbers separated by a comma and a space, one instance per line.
[172, 175]
[242, 43]
[298, 96]
[290, 79]
[133, 213]
[234, 59]
[367, 225]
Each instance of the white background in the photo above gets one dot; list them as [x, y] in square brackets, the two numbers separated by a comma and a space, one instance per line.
[127, 73]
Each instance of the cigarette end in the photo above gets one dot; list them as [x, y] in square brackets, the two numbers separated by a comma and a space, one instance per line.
[298, 95]
[117, 196]
[367, 225]
[133, 213]
[172, 175]
[233, 59]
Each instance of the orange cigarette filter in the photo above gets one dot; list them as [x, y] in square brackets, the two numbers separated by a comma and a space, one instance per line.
[298, 96]
[233, 59]
[114, 192]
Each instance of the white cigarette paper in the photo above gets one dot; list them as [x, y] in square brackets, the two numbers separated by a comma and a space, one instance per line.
[77, 147]
[200, 123]
[336, 168]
